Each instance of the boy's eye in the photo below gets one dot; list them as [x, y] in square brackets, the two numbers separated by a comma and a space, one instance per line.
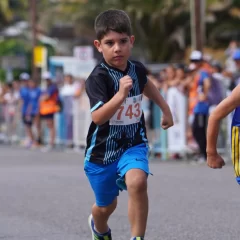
[123, 40]
[109, 43]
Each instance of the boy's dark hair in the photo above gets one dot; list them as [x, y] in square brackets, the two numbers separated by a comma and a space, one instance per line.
[112, 20]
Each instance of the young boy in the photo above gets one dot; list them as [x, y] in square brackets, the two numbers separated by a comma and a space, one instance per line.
[116, 153]
[214, 160]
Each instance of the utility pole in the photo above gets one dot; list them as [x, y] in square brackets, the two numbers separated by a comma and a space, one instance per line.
[197, 10]
[33, 14]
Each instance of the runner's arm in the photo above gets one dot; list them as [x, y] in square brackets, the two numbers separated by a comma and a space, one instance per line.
[220, 112]
[103, 105]
[152, 92]
[104, 113]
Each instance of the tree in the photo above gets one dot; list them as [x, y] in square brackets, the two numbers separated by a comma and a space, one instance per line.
[155, 22]
[11, 10]
[162, 28]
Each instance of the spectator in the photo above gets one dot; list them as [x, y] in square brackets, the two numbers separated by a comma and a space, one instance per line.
[10, 101]
[202, 85]
[236, 75]
[170, 78]
[34, 93]
[230, 64]
[24, 78]
[49, 105]
[68, 93]
[180, 79]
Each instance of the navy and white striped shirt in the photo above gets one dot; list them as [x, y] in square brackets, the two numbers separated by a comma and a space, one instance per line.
[106, 143]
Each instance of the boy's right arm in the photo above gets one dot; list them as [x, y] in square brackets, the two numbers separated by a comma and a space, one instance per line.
[104, 113]
[220, 112]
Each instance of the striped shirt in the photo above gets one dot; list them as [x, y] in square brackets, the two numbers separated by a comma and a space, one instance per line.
[107, 142]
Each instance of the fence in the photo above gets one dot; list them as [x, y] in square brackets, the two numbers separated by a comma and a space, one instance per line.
[174, 140]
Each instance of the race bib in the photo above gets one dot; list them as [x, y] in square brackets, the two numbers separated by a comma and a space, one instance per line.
[130, 112]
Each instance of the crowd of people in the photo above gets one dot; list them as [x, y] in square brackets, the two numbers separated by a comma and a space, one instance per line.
[205, 82]
[26, 106]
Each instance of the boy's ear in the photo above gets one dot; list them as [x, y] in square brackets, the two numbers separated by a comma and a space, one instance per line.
[132, 40]
[97, 44]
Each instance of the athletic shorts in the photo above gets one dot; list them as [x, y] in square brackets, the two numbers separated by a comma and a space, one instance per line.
[107, 180]
[47, 116]
[28, 120]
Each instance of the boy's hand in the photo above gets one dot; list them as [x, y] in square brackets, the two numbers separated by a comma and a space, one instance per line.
[125, 85]
[215, 161]
[167, 122]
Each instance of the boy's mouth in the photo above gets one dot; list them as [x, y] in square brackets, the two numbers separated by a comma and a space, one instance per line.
[118, 57]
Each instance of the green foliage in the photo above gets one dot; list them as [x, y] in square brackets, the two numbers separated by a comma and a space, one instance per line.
[11, 10]
[154, 21]
[2, 75]
[13, 47]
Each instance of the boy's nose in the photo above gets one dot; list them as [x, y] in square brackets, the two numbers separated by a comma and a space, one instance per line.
[117, 47]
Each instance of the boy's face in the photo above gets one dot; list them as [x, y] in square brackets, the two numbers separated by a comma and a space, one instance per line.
[116, 48]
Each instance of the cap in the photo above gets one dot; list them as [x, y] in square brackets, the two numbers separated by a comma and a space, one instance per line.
[236, 55]
[47, 75]
[24, 76]
[196, 56]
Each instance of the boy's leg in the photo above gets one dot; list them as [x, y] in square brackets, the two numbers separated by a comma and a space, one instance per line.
[103, 182]
[199, 133]
[133, 166]
[101, 216]
[136, 181]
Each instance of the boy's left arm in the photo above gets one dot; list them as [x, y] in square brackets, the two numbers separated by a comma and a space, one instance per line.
[152, 93]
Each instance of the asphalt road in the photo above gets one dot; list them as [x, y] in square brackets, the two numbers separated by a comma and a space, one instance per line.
[46, 196]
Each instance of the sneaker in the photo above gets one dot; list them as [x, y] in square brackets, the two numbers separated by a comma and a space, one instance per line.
[95, 235]
[201, 161]
[47, 148]
[137, 238]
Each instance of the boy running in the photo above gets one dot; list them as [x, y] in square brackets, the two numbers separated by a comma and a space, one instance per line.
[117, 146]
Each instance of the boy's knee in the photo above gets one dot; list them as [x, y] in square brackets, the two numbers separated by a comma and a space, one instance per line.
[137, 183]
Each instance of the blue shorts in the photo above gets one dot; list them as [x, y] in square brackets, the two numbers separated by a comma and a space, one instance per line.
[107, 180]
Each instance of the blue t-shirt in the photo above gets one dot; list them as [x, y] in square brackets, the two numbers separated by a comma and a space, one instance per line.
[202, 107]
[24, 94]
[34, 95]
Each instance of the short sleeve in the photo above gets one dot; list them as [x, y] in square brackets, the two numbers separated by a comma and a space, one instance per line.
[203, 75]
[96, 88]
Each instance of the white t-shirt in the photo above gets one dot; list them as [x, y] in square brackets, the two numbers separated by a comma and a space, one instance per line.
[69, 89]
[11, 102]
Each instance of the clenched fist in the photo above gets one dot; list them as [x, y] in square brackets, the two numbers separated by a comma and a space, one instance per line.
[125, 85]
[167, 121]
[215, 161]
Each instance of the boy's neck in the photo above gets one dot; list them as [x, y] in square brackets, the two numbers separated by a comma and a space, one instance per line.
[123, 68]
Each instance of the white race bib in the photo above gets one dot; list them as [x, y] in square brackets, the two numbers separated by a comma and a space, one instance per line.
[130, 112]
